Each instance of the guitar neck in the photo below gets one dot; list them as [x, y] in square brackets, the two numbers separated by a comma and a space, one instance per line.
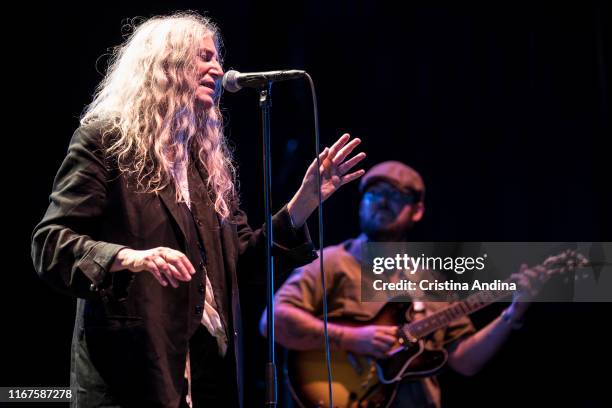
[442, 318]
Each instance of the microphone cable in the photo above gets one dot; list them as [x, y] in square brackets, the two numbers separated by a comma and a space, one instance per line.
[320, 217]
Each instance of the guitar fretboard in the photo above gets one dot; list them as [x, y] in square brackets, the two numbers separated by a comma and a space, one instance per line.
[442, 318]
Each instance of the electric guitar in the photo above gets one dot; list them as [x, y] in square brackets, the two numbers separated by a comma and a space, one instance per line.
[365, 382]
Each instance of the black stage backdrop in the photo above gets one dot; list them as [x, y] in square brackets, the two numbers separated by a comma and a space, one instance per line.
[504, 109]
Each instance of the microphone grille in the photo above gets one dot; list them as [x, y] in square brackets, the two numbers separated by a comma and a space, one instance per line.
[230, 82]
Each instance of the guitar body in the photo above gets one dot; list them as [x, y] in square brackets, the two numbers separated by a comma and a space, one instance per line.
[355, 381]
[360, 381]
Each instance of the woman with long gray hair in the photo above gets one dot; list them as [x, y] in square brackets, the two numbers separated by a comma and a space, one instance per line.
[143, 226]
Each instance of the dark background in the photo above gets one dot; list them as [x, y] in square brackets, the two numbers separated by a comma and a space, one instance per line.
[504, 109]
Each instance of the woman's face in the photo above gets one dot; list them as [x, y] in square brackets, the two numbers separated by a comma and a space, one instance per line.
[209, 72]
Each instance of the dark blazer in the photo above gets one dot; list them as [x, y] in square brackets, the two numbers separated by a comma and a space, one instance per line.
[131, 334]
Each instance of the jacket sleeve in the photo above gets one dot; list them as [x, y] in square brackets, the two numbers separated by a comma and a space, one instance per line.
[292, 246]
[63, 251]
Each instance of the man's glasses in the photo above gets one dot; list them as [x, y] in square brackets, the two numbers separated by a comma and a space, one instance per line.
[392, 195]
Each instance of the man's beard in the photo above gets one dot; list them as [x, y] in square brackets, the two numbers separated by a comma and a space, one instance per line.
[389, 231]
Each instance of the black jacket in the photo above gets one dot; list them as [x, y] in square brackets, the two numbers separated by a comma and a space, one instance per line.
[131, 334]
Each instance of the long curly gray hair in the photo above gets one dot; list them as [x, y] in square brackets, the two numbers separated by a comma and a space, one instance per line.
[148, 97]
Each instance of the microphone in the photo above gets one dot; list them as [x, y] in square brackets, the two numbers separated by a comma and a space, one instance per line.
[233, 81]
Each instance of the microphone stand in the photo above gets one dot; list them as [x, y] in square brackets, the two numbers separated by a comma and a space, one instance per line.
[265, 103]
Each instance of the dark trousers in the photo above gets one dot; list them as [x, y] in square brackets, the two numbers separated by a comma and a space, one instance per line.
[213, 377]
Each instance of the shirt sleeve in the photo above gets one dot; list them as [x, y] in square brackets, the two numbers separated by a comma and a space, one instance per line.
[302, 289]
[292, 247]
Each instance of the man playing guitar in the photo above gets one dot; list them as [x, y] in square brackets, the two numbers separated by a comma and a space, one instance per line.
[392, 202]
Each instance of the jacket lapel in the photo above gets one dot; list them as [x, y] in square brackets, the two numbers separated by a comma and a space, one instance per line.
[229, 250]
[168, 197]
[202, 206]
